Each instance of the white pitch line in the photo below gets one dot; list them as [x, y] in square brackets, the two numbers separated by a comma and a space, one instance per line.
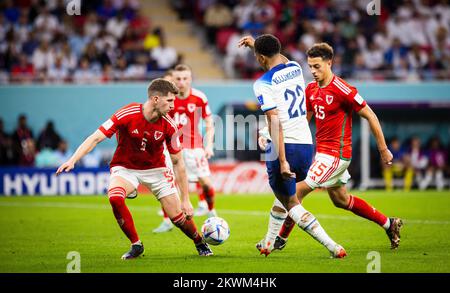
[221, 211]
[333, 217]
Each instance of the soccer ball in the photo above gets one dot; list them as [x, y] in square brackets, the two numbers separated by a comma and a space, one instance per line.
[215, 230]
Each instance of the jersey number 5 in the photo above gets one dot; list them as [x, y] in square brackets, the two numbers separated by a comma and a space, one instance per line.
[298, 93]
[143, 144]
[170, 177]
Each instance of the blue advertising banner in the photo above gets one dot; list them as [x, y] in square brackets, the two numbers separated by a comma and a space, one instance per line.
[35, 181]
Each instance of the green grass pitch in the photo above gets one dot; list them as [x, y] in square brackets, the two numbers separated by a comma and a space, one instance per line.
[38, 232]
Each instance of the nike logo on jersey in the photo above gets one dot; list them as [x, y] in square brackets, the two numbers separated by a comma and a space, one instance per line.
[135, 131]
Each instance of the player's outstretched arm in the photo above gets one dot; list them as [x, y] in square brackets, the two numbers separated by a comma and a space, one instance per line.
[87, 146]
[182, 182]
[249, 41]
[375, 127]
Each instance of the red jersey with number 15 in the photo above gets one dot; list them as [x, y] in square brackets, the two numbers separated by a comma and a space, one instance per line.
[140, 144]
[187, 114]
[333, 106]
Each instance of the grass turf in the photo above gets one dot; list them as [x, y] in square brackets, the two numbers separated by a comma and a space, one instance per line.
[37, 233]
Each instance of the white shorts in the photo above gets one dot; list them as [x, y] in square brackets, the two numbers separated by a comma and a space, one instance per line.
[327, 171]
[196, 164]
[160, 181]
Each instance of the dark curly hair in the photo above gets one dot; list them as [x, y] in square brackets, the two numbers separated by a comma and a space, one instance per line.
[322, 50]
[267, 45]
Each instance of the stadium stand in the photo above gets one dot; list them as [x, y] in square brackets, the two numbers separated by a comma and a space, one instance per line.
[114, 40]
[410, 40]
[109, 41]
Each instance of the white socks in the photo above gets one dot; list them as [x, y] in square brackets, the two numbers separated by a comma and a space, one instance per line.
[276, 220]
[309, 223]
[203, 204]
[387, 224]
[440, 180]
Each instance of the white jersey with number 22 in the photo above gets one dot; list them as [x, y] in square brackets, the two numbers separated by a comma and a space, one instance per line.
[283, 88]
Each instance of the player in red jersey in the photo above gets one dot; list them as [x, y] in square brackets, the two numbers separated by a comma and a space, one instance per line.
[332, 101]
[191, 106]
[166, 225]
[141, 131]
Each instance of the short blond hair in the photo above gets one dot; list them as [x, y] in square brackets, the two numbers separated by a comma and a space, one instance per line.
[182, 67]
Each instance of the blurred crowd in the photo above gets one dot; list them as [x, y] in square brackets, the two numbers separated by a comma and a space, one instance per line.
[48, 149]
[417, 163]
[113, 40]
[409, 40]
[110, 41]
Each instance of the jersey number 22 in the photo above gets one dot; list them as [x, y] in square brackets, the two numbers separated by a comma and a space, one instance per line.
[294, 95]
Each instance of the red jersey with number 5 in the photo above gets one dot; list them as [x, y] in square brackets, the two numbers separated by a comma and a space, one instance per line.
[140, 144]
[187, 114]
[333, 106]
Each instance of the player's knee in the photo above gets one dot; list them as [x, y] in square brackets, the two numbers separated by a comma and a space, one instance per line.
[116, 200]
[340, 202]
[116, 196]
[278, 206]
[291, 202]
[279, 209]
[207, 188]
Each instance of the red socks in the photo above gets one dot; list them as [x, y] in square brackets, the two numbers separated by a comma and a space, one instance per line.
[125, 220]
[287, 227]
[123, 216]
[201, 194]
[363, 209]
[357, 205]
[188, 227]
[209, 194]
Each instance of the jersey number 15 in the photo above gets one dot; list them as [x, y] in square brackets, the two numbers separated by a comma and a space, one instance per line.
[294, 108]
